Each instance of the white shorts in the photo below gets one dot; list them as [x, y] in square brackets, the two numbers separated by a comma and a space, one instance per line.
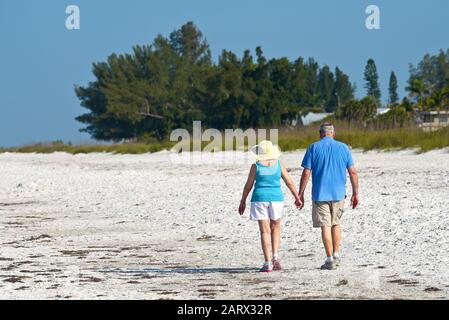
[266, 210]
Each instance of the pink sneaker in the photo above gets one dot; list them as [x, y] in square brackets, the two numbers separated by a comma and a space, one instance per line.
[277, 265]
[267, 267]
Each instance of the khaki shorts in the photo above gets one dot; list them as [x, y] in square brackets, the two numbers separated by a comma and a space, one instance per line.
[327, 213]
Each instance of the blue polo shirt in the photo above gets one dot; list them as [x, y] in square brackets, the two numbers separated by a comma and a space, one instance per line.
[329, 160]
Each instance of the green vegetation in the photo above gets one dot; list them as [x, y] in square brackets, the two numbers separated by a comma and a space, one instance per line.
[393, 88]
[428, 85]
[289, 140]
[370, 139]
[125, 148]
[428, 88]
[142, 96]
[372, 81]
[173, 81]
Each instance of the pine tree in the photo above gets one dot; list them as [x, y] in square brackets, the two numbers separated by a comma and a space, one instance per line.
[344, 90]
[326, 87]
[393, 88]
[372, 81]
[189, 43]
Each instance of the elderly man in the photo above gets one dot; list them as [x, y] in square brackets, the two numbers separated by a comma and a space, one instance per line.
[327, 161]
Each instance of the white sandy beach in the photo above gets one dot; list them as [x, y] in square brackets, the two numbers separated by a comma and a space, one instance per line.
[104, 226]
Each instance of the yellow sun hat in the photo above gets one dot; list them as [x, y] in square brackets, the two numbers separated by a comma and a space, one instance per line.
[265, 150]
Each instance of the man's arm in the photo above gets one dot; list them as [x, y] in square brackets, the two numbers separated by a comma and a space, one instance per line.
[355, 186]
[303, 184]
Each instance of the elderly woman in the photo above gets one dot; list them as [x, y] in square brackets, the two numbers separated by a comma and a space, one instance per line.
[267, 202]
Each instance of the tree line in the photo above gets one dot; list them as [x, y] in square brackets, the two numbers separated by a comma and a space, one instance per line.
[428, 84]
[428, 90]
[173, 81]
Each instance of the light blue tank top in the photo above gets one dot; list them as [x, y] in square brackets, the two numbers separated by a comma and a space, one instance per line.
[268, 183]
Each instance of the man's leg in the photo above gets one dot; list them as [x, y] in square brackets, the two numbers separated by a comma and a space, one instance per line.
[265, 237]
[326, 235]
[336, 240]
[322, 218]
[337, 213]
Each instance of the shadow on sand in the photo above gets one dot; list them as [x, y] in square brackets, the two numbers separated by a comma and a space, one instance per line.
[180, 270]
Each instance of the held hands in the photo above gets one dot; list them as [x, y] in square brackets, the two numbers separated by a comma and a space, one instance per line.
[299, 201]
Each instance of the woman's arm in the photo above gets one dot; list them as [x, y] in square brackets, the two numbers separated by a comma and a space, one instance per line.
[247, 189]
[290, 185]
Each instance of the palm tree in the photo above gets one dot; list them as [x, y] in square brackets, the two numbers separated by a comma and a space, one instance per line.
[438, 100]
[418, 90]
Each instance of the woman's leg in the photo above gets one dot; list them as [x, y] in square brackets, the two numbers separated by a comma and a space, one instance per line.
[265, 235]
[275, 236]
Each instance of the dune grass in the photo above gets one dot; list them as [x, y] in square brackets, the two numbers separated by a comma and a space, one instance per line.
[289, 140]
[125, 148]
[369, 139]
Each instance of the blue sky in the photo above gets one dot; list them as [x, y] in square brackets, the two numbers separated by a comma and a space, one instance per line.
[41, 61]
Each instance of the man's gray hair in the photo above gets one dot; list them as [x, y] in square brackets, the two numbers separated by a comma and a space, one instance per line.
[327, 127]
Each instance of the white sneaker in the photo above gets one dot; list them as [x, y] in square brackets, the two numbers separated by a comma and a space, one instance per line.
[267, 267]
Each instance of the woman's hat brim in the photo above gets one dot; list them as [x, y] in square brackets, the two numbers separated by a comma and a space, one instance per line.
[274, 155]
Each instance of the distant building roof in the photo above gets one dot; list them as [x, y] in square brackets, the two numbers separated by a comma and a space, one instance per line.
[435, 112]
[382, 110]
[312, 117]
